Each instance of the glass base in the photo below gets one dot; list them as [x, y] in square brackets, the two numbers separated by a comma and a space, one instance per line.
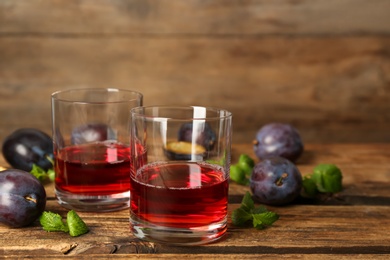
[100, 203]
[177, 236]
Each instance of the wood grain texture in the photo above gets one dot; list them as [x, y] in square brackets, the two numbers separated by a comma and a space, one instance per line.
[322, 66]
[193, 17]
[340, 96]
[355, 224]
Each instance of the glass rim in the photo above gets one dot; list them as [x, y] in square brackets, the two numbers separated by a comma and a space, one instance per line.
[138, 112]
[57, 95]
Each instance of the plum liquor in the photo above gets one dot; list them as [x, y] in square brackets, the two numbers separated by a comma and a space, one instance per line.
[182, 195]
[100, 168]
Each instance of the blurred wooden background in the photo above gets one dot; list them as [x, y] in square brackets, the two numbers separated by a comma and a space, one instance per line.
[321, 65]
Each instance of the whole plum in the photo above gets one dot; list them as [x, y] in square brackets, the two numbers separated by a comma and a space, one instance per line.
[204, 136]
[22, 198]
[275, 181]
[93, 132]
[27, 146]
[278, 139]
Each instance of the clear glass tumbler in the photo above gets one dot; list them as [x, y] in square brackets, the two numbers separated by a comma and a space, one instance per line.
[180, 173]
[92, 147]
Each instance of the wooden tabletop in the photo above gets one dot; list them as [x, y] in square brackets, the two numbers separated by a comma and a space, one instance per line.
[355, 224]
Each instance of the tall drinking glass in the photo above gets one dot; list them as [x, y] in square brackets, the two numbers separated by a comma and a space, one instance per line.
[92, 147]
[180, 174]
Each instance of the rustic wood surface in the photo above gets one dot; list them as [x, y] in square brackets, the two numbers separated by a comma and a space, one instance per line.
[355, 224]
[323, 66]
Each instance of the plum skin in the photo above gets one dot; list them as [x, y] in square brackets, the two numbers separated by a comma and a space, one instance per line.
[22, 198]
[27, 146]
[278, 139]
[206, 137]
[275, 181]
[93, 132]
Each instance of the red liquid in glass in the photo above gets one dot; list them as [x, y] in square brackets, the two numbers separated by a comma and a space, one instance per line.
[101, 168]
[182, 195]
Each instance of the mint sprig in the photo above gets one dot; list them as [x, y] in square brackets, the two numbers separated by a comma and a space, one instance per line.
[326, 178]
[42, 175]
[74, 225]
[247, 212]
[242, 170]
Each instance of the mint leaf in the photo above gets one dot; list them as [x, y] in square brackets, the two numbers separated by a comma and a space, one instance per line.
[51, 174]
[261, 221]
[309, 187]
[52, 222]
[242, 170]
[247, 203]
[246, 163]
[247, 212]
[259, 210]
[77, 226]
[328, 178]
[240, 217]
[245, 159]
[237, 174]
[39, 173]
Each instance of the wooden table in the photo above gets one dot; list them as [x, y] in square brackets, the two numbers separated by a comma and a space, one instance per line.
[355, 224]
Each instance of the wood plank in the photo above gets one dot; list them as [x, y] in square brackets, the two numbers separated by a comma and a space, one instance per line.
[300, 229]
[192, 17]
[347, 229]
[296, 68]
[332, 89]
[321, 65]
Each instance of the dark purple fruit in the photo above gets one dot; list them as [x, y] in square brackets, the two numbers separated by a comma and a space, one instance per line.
[275, 181]
[28, 146]
[22, 198]
[204, 136]
[184, 151]
[277, 139]
[92, 133]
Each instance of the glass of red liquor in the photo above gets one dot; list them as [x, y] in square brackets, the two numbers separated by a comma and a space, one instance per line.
[92, 147]
[179, 174]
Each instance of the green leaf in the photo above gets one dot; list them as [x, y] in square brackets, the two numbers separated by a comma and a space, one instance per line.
[237, 174]
[52, 222]
[309, 186]
[51, 174]
[246, 163]
[268, 218]
[328, 178]
[39, 173]
[265, 219]
[220, 162]
[259, 209]
[245, 159]
[260, 216]
[240, 217]
[77, 226]
[247, 203]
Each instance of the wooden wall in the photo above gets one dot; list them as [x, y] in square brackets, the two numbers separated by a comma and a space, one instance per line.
[321, 65]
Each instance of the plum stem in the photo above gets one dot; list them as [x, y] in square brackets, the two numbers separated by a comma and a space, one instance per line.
[279, 181]
[48, 157]
[29, 198]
